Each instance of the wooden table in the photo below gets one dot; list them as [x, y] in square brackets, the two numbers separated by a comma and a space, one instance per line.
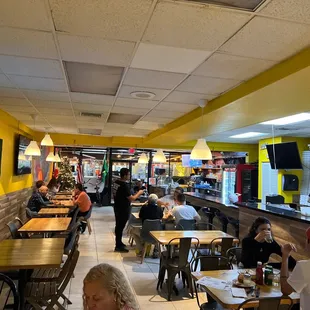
[54, 211]
[138, 204]
[205, 236]
[46, 225]
[62, 197]
[63, 203]
[24, 254]
[225, 298]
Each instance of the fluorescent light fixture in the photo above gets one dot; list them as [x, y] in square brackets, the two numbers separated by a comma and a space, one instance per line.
[292, 119]
[250, 134]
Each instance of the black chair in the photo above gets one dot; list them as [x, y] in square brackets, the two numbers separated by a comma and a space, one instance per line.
[234, 255]
[204, 226]
[267, 303]
[278, 199]
[14, 226]
[31, 214]
[227, 220]
[176, 264]
[209, 263]
[9, 297]
[210, 212]
[186, 225]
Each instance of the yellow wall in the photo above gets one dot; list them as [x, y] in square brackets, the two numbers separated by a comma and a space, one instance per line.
[9, 127]
[263, 158]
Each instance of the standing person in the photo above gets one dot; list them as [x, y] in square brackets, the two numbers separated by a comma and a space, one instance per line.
[122, 201]
[299, 280]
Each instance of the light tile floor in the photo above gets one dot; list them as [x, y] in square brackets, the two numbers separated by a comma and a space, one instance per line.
[99, 248]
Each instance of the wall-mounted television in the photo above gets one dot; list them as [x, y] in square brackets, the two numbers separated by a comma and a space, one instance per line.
[284, 156]
[22, 164]
[190, 163]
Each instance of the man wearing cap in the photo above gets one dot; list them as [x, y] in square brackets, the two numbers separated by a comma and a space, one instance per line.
[299, 280]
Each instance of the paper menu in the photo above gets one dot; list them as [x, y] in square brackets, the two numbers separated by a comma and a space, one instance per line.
[213, 283]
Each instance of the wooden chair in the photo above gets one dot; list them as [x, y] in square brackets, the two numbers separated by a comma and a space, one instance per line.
[268, 303]
[9, 297]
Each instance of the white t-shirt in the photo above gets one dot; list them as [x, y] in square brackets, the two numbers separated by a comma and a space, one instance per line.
[170, 200]
[299, 280]
[185, 212]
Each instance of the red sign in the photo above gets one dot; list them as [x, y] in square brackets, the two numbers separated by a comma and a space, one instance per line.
[131, 151]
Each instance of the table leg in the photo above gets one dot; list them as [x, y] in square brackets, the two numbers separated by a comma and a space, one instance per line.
[21, 287]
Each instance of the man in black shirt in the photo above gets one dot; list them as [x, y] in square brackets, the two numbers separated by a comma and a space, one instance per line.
[122, 201]
[38, 199]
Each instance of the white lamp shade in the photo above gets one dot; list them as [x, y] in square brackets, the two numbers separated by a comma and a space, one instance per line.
[57, 158]
[159, 157]
[33, 149]
[143, 159]
[201, 150]
[47, 141]
[50, 157]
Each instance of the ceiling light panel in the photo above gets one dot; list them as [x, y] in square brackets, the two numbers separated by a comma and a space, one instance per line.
[126, 91]
[232, 67]
[165, 58]
[93, 99]
[135, 103]
[117, 19]
[269, 39]
[95, 50]
[154, 79]
[31, 67]
[190, 26]
[248, 135]
[292, 119]
[38, 83]
[27, 43]
[123, 118]
[93, 79]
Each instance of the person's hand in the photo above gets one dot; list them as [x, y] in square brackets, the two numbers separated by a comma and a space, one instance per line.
[287, 249]
[260, 237]
[166, 204]
[140, 192]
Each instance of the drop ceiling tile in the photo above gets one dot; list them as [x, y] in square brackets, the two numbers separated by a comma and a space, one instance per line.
[269, 39]
[165, 114]
[90, 125]
[187, 97]
[54, 111]
[192, 26]
[232, 67]
[17, 108]
[61, 129]
[125, 92]
[207, 85]
[10, 92]
[27, 43]
[87, 107]
[120, 118]
[298, 10]
[134, 111]
[92, 98]
[154, 79]
[30, 66]
[137, 133]
[5, 82]
[95, 50]
[170, 59]
[46, 95]
[23, 116]
[37, 83]
[117, 19]
[113, 126]
[156, 119]
[135, 103]
[15, 101]
[51, 104]
[24, 14]
[175, 107]
[147, 125]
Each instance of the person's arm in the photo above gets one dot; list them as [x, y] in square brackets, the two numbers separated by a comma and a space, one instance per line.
[278, 250]
[134, 197]
[196, 216]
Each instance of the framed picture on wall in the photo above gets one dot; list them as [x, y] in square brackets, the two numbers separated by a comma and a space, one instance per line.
[0, 153]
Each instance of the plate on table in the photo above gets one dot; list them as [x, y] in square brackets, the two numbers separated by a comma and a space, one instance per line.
[243, 285]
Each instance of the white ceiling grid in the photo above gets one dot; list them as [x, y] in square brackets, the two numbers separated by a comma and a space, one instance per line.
[180, 51]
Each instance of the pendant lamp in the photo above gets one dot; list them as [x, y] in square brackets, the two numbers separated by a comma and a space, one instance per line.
[57, 158]
[201, 150]
[50, 157]
[143, 159]
[159, 157]
[47, 140]
[33, 149]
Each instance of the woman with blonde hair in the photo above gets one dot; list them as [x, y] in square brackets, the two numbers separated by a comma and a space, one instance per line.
[106, 288]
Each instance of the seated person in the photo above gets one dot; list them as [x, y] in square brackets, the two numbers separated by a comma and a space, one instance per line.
[53, 187]
[38, 199]
[38, 184]
[168, 201]
[147, 212]
[183, 211]
[139, 186]
[299, 280]
[256, 248]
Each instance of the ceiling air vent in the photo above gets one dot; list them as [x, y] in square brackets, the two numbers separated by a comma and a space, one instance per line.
[89, 114]
[249, 5]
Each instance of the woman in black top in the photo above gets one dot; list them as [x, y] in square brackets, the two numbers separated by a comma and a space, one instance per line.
[255, 248]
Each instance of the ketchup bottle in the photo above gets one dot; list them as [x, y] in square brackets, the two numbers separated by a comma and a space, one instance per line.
[259, 274]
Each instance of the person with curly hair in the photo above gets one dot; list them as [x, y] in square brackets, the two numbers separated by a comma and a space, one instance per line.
[106, 288]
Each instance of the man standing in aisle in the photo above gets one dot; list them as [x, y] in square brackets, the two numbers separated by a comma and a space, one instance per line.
[122, 201]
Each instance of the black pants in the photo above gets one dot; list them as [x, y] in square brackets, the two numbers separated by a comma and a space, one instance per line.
[80, 214]
[121, 218]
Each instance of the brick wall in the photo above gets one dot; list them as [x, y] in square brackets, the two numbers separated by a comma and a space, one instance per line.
[12, 205]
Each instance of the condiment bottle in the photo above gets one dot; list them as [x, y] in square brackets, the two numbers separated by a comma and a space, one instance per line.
[268, 275]
[259, 274]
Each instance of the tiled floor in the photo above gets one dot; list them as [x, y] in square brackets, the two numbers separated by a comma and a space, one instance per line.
[99, 248]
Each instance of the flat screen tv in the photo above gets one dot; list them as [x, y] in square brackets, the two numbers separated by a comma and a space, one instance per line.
[22, 162]
[284, 156]
[190, 163]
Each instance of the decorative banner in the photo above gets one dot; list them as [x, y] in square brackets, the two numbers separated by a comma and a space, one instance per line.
[41, 168]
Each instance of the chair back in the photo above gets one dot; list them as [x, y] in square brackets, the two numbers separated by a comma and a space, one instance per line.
[234, 255]
[88, 215]
[72, 238]
[186, 225]
[205, 226]
[14, 226]
[209, 263]
[267, 303]
[9, 297]
[185, 246]
[278, 199]
[74, 218]
[147, 226]
[30, 214]
[225, 243]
